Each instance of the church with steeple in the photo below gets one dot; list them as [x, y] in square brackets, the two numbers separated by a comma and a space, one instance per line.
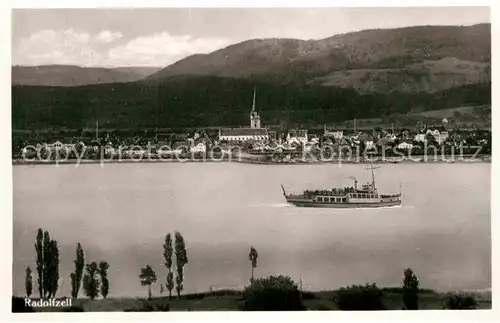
[254, 115]
[254, 133]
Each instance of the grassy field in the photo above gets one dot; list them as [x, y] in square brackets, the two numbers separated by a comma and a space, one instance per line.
[233, 301]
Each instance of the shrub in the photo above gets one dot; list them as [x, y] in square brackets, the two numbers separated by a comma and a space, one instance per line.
[360, 298]
[90, 281]
[459, 301]
[274, 293]
[308, 295]
[150, 306]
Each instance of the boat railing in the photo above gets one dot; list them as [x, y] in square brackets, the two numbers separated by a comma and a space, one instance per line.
[389, 195]
[333, 192]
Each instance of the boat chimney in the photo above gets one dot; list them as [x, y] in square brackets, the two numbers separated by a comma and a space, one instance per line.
[355, 184]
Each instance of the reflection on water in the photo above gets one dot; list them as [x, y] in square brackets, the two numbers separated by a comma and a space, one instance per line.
[121, 213]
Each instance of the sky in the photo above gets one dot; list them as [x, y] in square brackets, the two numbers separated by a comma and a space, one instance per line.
[162, 36]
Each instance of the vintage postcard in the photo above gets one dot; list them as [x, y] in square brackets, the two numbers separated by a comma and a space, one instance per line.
[251, 159]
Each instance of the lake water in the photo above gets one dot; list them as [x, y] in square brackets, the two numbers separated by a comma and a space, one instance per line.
[122, 212]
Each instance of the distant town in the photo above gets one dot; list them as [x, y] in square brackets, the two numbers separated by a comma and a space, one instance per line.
[268, 143]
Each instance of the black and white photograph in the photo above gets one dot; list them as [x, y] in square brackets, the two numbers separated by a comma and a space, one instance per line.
[181, 159]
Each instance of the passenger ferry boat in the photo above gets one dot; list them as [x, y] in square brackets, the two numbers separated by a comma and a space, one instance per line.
[347, 197]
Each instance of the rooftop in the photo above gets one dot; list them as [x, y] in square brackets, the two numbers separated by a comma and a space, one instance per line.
[298, 132]
[243, 132]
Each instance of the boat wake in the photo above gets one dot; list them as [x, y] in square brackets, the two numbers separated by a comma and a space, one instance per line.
[272, 205]
[339, 210]
[379, 207]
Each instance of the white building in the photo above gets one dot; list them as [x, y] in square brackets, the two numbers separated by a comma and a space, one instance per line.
[434, 132]
[243, 134]
[109, 150]
[390, 137]
[369, 144]
[239, 135]
[298, 136]
[441, 138]
[337, 135]
[405, 145]
[199, 148]
[420, 137]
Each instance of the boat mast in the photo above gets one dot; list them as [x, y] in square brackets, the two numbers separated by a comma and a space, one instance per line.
[283, 189]
[373, 174]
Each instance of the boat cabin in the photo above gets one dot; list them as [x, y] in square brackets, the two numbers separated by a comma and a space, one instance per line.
[330, 199]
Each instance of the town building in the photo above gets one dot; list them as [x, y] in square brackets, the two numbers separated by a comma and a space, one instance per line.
[297, 136]
[243, 134]
[198, 148]
[337, 135]
[420, 137]
[442, 137]
[239, 135]
[405, 145]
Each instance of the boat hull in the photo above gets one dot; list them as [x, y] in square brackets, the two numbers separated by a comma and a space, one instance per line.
[353, 205]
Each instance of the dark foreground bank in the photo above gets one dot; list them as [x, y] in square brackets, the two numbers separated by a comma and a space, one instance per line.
[229, 300]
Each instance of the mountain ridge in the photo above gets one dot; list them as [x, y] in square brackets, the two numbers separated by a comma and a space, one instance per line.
[408, 59]
[74, 75]
[305, 61]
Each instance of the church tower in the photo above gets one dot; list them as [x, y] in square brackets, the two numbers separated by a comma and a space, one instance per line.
[254, 116]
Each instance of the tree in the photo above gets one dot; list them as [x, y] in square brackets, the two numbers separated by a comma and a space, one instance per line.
[274, 293]
[410, 290]
[181, 260]
[76, 277]
[360, 298]
[147, 277]
[47, 264]
[252, 256]
[28, 282]
[90, 281]
[103, 272]
[161, 289]
[459, 301]
[53, 269]
[167, 253]
[39, 261]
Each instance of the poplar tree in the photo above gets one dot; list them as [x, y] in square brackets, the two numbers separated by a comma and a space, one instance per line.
[167, 253]
[103, 272]
[76, 277]
[47, 264]
[39, 261]
[53, 269]
[181, 260]
[28, 282]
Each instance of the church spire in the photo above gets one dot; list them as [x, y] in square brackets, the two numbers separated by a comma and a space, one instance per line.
[253, 104]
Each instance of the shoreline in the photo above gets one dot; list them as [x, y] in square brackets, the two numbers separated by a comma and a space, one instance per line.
[439, 160]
